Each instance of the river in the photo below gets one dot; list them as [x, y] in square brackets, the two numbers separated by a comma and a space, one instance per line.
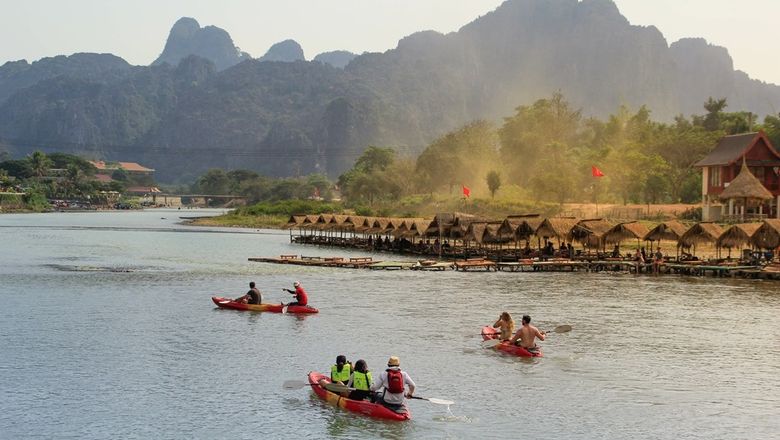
[107, 330]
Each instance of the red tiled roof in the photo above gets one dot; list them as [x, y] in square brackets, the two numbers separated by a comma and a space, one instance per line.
[127, 166]
[103, 178]
[132, 166]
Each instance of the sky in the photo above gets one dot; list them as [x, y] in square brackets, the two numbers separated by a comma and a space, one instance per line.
[136, 30]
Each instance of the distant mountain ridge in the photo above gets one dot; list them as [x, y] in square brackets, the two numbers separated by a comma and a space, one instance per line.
[208, 102]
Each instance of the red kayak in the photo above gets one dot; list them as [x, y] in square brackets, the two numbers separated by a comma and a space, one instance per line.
[227, 303]
[492, 333]
[364, 407]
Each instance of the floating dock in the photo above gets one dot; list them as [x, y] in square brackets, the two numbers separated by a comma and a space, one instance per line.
[693, 268]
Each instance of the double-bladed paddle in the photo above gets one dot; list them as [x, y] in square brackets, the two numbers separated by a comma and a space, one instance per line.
[339, 389]
[490, 343]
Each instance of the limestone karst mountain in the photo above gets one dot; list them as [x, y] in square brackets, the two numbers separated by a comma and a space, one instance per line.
[198, 106]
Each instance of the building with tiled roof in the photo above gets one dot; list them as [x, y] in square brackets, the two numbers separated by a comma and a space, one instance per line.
[130, 167]
[722, 166]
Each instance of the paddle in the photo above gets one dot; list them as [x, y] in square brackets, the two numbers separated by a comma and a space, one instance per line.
[298, 384]
[435, 400]
[490, 343]
[339, 389]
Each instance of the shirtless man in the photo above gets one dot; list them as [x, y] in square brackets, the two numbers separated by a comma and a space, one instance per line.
[525, 337]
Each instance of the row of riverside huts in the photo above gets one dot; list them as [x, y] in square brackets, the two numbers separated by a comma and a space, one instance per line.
[465, 235]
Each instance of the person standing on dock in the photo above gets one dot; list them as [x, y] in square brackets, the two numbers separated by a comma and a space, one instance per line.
[658, 261]
[301, 298]
[526, 336]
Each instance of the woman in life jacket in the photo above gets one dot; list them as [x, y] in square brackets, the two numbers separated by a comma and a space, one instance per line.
[340, 372]
[361, 381]
[507, 326]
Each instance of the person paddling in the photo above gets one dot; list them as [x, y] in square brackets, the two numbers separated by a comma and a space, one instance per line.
[301, 298]
[252, 297]
[360, 379]
[394, 382]
[506, 324]
[526, 336]
[340, 372]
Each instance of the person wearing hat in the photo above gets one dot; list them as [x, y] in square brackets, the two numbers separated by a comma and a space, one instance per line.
[301, 298]
[393, 381]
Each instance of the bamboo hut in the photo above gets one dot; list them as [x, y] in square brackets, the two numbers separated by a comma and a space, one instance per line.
[442, 223]
[701, 233]
[590, 233]
[379, 226]
[353, 222]
[476, 232]
[556, 227]
[403, 231]
[295, 221]
[365, 225]
[418, 227]
[767, 236]
[492, 234]
[671, 230]
[737, 235]
[322, 221]
[337, 222]
[743, 192]
[626, 231]
[517, 227]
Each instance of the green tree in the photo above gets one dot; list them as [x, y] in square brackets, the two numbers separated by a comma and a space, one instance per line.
[494, 182]
[120, 175]
[39, 164]
[712, 119]
[215, 181]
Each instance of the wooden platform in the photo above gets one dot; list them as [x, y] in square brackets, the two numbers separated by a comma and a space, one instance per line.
[349, 263]
[475, 264]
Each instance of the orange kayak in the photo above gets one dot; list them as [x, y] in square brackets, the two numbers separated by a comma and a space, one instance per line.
[364, 407]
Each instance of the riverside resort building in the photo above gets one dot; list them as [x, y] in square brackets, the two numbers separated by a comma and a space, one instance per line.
[741, 179]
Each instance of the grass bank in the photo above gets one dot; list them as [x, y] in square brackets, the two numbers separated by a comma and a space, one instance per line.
[237, 220]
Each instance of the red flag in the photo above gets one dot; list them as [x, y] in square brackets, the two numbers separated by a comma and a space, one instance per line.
[466, 191]
[596, 172]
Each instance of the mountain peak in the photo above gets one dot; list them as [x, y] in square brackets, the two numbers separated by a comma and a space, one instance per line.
[286, 51]
[187, 38]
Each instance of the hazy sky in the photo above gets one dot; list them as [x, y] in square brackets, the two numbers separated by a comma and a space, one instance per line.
[136, 29]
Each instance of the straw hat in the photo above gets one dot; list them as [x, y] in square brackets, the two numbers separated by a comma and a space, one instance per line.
[393, 361]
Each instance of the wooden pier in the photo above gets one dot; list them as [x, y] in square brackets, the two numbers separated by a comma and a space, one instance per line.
[693, 268]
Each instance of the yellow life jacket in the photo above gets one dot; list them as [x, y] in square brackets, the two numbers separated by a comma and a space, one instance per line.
[361, 381]
[342, 376]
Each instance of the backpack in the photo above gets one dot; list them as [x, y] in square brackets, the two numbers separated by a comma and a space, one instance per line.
[395, 381]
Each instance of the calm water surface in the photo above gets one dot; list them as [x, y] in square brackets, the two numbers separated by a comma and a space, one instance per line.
[107, 331]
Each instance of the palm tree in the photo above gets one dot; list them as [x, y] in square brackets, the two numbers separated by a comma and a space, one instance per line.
[39, 164]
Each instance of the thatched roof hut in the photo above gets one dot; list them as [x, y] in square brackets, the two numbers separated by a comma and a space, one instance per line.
[671, 230]
[701, 233]
[625, 231]
[557, 227]
[443, 221]
[338, 222]
[492, 234]
[365, 225]
[353, 222]
[393, 224]
[295, 221]
[379, 226]
[767, 236]
[418, 227]
[591, 232]
[310, 221]
[517, 227]
[737, 235]
[746, 187]
[405, 228]
[322, 221]
[475, 232]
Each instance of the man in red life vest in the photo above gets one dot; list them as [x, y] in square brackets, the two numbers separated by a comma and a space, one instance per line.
[393, 380]
[301, 299]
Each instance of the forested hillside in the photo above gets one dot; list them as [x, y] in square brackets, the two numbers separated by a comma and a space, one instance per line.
[205, 103]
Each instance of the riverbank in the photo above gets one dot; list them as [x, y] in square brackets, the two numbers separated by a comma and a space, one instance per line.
[233, 220]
